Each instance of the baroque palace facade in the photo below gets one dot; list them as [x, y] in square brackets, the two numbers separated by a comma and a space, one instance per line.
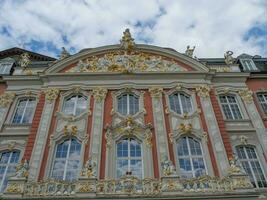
[132, 121]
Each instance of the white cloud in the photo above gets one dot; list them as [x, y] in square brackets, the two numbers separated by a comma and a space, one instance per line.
[213, 26]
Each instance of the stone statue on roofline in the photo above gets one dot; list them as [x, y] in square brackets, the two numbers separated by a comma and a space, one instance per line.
[228, 58]
[64, 54]
[189, 52]
[127, 42]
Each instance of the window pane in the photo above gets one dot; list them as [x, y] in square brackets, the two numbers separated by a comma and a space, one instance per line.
[251, 165]
[190, 158]
[230, 107]
[129, 157]
[24, 111]
[8, 163]
[122, 104]
[67, 160]
[263, 101]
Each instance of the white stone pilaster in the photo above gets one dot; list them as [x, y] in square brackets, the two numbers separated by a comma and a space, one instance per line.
[42, 134]
[213, 129]
[97, 126]
[159, 124]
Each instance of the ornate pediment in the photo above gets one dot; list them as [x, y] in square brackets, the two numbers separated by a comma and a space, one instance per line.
[127, 62]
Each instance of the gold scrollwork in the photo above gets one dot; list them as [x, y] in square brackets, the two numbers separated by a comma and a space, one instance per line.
[51, 94]
[246, 95]
[6, 99]
[203, 91]
[156, 92]
[99, 94]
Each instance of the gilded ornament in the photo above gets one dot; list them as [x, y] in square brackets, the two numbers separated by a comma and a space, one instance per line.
[70, 130]
[156, 92]
[235, 166]
[6, 99]
[89, 169]
[22, 170]
[99, 94]
[13, 188]
[185, 128]
[246, 95]
[51, 94]
[127, 63]
[203, 91]
[205, 136]
[168, 168]
[127, 42]
[86, 187]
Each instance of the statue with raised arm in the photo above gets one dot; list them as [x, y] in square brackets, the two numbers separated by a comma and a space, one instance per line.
[228, 58]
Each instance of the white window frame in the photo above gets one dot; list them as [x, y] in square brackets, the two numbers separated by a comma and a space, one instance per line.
[249, 163]
[129, 158]
[74, 109]
[128, 102]
[67, 157]
[190, 156]
[24, 110]
[8, 165]
[5, 67]
[180, 102]
[264, 95]
[248, 64]
[228, 104]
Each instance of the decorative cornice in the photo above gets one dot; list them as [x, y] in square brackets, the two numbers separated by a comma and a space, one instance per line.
[6, 99]
[99, 94]
[203, 91]
[51, 94]
[156, 92]
[246, 95]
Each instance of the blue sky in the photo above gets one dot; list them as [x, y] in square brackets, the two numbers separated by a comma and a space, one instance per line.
[212, 26]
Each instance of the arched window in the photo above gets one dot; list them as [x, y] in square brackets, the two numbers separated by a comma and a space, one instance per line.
[251, 164]
[128, 104]
[74, 105]
[8, 162]
[190, 157]
[180, 103]
[129, 158]
[24, 111]
[67, 160]
[230, 107]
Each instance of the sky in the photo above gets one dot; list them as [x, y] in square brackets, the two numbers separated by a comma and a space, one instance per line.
[213, 26]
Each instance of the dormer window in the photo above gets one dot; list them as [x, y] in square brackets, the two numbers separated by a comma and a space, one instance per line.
[248, 65]
[5, 66]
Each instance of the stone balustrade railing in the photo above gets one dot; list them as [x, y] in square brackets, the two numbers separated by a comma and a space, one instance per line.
[128, 185]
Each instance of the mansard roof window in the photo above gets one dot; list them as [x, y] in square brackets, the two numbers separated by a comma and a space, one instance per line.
[248, 65]
[6, 66]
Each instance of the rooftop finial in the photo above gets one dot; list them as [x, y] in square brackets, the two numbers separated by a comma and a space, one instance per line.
[127, 42]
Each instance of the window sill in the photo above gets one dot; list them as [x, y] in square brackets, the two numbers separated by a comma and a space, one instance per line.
[16, 129]
[239, 125]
